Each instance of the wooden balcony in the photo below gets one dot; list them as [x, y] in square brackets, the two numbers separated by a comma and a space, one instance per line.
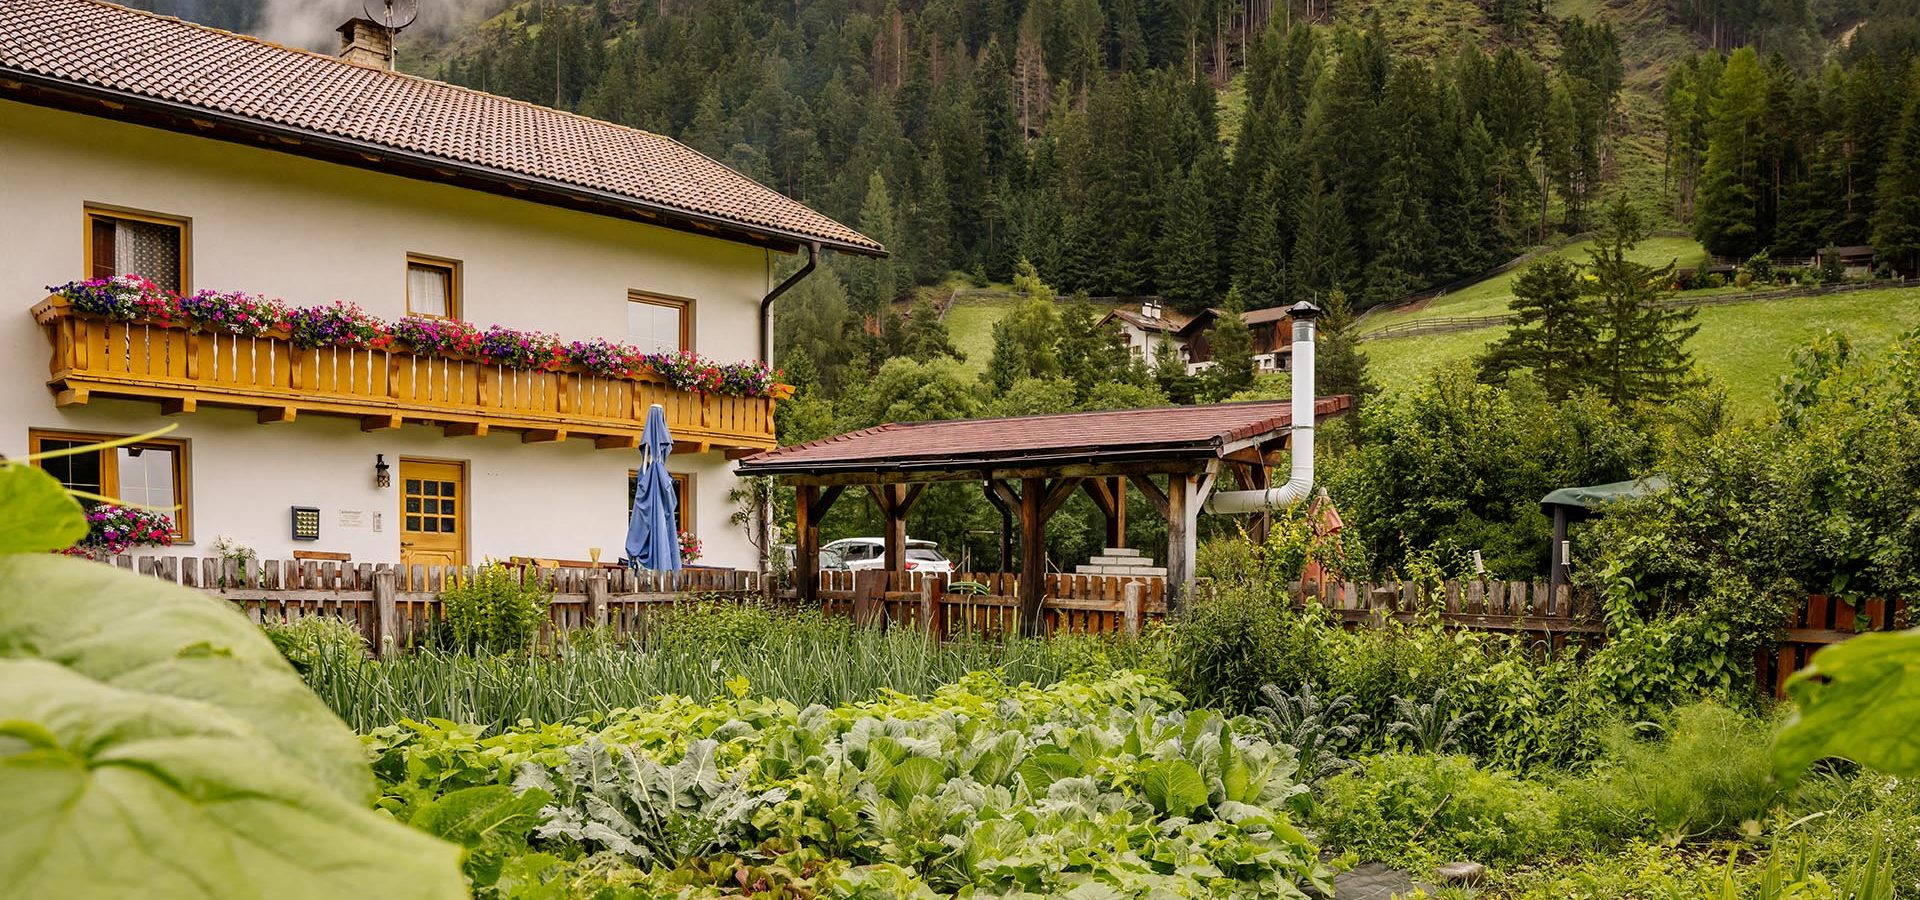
[181, 370]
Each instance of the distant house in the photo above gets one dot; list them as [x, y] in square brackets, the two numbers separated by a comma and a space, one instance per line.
[1855, 261]
[1272, 333]
[201, 160]
[1147, 327]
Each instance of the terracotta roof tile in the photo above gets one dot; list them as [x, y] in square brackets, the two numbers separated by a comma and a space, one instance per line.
[137, 53]
[966, 442]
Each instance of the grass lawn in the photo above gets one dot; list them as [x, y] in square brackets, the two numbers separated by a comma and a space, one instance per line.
[1744, 347]
[1492, 296]
[970, 323]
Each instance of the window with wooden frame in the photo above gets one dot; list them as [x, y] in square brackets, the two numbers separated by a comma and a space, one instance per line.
[150, 245]
[153, 473]
[433, 286]
[659, 324]
[682, 497]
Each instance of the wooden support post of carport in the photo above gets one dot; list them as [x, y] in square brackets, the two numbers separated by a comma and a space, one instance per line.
[809, 507]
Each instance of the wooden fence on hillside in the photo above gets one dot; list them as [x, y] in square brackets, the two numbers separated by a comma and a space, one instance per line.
[1451, 324]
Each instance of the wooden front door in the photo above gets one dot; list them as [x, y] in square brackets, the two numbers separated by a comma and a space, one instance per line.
[433, 513]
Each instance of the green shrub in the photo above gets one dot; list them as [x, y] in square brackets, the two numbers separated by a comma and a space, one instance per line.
[495, 611]
[1417, 810]
[306, 642]
[1226, 647]
[1706, 772]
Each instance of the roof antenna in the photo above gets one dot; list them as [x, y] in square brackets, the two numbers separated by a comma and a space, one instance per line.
[394, 14]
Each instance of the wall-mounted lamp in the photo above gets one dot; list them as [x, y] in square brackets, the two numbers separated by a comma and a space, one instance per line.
[382, 475]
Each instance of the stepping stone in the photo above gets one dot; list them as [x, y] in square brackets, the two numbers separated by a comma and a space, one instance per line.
[1376, 881]
[1464, 872]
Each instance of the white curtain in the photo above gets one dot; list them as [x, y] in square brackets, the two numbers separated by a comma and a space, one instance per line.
[149, 250]
[653, 327]
[427, 290]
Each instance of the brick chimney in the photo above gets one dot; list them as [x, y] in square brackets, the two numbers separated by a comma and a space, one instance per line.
[365, 42]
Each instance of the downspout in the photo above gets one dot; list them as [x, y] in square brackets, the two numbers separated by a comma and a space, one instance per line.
[766, 303]
[1300, 479]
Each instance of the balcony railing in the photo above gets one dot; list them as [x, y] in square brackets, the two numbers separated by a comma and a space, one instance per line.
[181, 369]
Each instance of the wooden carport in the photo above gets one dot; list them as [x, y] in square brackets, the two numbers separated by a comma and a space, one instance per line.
[1032, 465]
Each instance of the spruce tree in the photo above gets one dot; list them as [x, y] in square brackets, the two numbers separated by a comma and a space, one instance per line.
[1323, 251]
[1340, 364]
[926, 336]
[1260, 265]
[1170, 373]
[1184, 264]
[1728, 213]
[928, 222]
[874, 283]
[1896, 217]
[1232, 347]
[1640, 354]
[1554, 329]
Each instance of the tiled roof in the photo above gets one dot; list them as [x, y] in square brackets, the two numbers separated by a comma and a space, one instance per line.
[1137, 320]
[123, 51]
[974, 443]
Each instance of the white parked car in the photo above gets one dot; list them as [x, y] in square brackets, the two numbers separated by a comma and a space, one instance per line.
[871, 553]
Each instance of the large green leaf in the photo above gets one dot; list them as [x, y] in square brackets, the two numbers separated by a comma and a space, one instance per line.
[1174, 787]
[1858, 700]
[491, 821]
[141, 634]
[39, 515]
[916, 777]
[116, 792]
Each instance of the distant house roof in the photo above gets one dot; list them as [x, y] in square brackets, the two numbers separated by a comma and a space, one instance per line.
[120, 63]
[1166, 322]
[968, 444]
[1263, 316]
[1856, 250]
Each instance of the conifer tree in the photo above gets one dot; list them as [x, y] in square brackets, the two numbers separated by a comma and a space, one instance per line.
[925, 336]
[1896, 217]
[1184, 264]
[1260, 266]
[1729, 193]
[874, 284]
[1323, 251]
[1340, 363]
[1640, 355]
[927, 224]
[1170, 373]
[1232, 347]
[1554, 332]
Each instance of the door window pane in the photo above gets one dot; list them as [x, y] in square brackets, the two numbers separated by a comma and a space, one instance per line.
[430, 290]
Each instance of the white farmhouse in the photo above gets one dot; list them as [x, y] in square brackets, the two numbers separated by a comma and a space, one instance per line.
[203, 160]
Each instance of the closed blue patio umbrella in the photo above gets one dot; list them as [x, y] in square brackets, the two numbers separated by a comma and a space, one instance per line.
[653, 540]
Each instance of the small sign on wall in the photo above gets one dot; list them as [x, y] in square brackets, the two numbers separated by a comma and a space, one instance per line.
[306, 523]
[350, 519]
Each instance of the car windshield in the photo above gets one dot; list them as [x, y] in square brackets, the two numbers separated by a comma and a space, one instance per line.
[924, 553]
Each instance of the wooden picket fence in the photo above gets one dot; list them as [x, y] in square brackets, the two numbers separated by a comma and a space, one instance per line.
[394, 606]
[988, 603]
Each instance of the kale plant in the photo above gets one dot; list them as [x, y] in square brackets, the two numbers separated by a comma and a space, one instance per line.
[1317, 730]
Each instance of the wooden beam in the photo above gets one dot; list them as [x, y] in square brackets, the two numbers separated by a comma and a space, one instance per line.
[464, 429]
[806, 543]
[1004, 500]
[975, 473]
[276, 414]
[1033, 555]
[1057, 494]
[825, 500]
[380, 423]
[912, 498]
[1182, 516]
[543, 436]
[1116, 535]
[617, 442]
[1155, 497]
[894, 511]
[70, 397]
[178, 406]
[1100, 491]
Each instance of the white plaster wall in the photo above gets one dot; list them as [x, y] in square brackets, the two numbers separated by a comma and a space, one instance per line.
[311, 232]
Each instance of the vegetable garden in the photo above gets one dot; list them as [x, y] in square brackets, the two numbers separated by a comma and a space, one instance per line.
[155, 743]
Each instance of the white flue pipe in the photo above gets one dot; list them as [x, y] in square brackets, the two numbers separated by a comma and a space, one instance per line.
[1300, 477]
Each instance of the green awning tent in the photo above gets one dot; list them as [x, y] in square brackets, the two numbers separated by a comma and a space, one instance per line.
[1572, 504]
[1580, 502]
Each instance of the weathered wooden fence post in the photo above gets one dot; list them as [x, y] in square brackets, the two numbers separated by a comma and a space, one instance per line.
[932, 617]
[387, 615]
[1130, 602]
[597, 598]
